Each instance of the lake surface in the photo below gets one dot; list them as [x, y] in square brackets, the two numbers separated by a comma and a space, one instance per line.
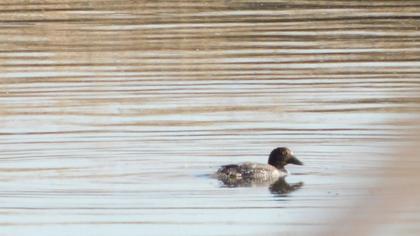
[114, 114]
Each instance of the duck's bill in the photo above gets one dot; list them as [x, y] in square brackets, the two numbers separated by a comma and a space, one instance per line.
[294, 160]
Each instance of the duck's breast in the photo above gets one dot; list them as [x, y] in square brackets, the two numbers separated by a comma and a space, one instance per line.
[260, 171]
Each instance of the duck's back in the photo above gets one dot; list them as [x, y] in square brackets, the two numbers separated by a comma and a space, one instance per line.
[250, 170]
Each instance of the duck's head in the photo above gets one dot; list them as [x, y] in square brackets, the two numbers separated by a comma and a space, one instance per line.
[282, 156]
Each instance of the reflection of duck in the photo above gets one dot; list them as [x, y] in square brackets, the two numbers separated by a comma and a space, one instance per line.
[282, 187]
[258, 173]
[276, 186]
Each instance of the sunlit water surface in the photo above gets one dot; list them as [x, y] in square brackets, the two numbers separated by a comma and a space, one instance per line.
[114, 116]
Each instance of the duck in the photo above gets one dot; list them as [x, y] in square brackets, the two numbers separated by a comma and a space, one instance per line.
[250, 172]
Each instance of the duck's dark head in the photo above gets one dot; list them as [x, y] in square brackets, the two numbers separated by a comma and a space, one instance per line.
[282, 156]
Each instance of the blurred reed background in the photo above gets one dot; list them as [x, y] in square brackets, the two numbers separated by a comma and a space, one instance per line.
[393, 204]
[113, 113]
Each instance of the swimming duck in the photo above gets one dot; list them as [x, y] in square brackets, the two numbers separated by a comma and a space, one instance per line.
[257, 172]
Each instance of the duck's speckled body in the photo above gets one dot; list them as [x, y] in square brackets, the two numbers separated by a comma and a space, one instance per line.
[257, 172]
[249, 170]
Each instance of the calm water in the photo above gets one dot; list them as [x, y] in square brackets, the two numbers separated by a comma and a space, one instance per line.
[113, 114]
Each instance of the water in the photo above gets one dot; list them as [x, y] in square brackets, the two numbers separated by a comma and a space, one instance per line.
[114, 115]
